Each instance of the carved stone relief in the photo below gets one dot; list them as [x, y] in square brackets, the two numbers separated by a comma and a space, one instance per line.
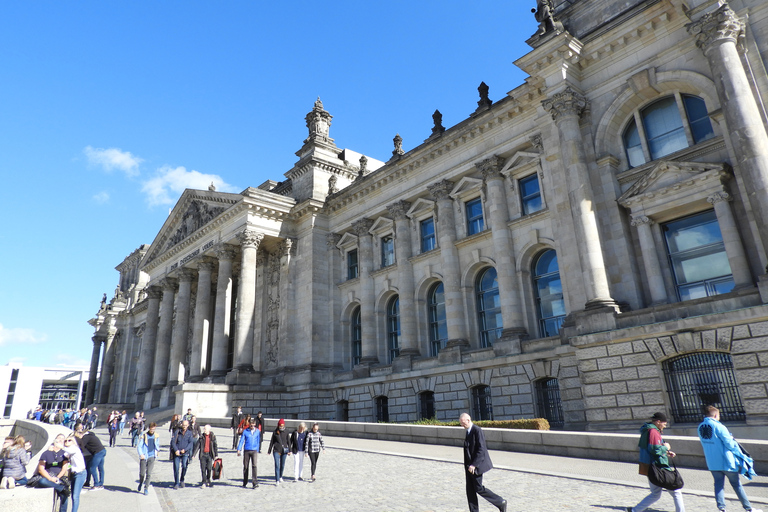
[197, 215]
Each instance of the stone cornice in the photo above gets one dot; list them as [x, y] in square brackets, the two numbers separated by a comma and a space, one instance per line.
[308, 207]
[485, 234]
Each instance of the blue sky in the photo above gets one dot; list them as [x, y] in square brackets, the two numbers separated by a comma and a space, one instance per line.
[109, 110]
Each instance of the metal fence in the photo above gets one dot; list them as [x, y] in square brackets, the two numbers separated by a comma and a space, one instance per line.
[550, 406]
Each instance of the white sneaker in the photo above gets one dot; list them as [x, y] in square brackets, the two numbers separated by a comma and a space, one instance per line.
[756, 510]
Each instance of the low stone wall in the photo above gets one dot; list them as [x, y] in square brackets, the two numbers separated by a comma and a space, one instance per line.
[41, 435]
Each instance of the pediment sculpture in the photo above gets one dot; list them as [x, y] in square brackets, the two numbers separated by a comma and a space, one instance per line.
[197, 215]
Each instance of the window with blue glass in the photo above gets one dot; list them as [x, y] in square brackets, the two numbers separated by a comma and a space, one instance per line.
[438, 328]
[387, 251]
[474, 216]
[393, 328]
[352, 265]
[549, 293]
[428, 241]
[697, 256]
[488, 307]
[530, 194]
[356, 333]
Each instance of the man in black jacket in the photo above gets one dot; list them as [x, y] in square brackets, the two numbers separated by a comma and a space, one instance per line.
[234, 424]
[182, 443]
[208, 450]
[477, 462]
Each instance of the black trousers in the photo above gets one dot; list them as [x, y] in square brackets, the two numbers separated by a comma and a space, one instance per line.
[313, 460]
[206, 467]
[249, 459]
[475, 487]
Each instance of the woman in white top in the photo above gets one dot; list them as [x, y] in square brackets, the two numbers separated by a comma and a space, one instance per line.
[77, 469]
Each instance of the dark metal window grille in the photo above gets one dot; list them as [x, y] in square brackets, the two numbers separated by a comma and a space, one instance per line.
[550, 406]
[393, 328]
[382, 409]
[481, 403]
[427, 399]
[357, 337]
[342, 410]
[352, 265]
[700, 379]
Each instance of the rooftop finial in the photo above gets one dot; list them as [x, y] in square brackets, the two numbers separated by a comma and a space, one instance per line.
[437, 118]
[484, 103]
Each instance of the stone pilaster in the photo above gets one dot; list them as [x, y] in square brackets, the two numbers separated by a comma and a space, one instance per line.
[717, 34]
[94, 370]
[163, 347]
[566, 108]
[446, 232]
[367, 293]
[409, 345]
[737, 258]
[650, 259]
[198, 364]
[107, 368]
[246, 297]
[222, 316]
[180, 335]
[148, 341]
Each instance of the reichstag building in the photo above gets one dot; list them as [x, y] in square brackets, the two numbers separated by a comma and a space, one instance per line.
[590, 249]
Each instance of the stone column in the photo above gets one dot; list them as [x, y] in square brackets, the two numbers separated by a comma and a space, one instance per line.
[163, 347]
[201, 328]
[246, 295]
[717, 34]
[370, 352]
[737, 258]
[180, 335]
[222, 315]
[149, 341]
[650, 259]
[107, 368]
[446, 233]
[566, 109]
[409, 343]
[95, 355]
[509, 292]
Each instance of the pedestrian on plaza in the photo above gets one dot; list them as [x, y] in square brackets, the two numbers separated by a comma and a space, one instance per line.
[148, 446]
[94, 419]
[313, 443]
[653, 450]
[85, 418]
[137, 425]
[114, 429]
[249, 447]
[188, 416]
[123, 419]
[477, 462]
[94, 453]
[181, 446]
[260, 426]
[52, 468]
[208, 450]
[15, 457]
[280, 448]
[725, 458]
[173, 429]
[77, 469]
[237, 431]
[298, 437]
[196, 430]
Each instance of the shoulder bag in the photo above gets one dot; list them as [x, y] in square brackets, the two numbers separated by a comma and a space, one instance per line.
[670, 480]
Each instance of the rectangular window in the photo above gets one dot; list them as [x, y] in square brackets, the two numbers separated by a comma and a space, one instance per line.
[530, 194]
[387, 251]
[352, 267]
[474, 216]
[428, 241]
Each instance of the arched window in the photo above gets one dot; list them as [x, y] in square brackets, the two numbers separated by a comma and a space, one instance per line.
[488, 307]
[549, 293]
[382, 409]
[548, 401]
[393, 327]
[700, 379]
[665, 126]
[356, 334]
[426, 405]
[482, 409]
[438, 329]
[342, 410]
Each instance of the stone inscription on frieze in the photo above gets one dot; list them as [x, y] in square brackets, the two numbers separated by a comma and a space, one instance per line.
[190, 256]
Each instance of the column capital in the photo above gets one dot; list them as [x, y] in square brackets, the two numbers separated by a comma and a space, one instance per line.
[399, 209]
[566, 103]
[720, 26]
[441, 189]
[362, 226]
[187, 275]
[490, 168]
[639, 220]
[250, 238]
[332, 239]
[169, 284]
[206, 263]
[154, 292]
[226, 252]
[719, 196]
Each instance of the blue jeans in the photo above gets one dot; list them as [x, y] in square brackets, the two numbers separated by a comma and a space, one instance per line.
[96, 465]
[279, 465]
[654, 497]
[44, 482]
[122, 426]
[733, 477]
[180, 460]
[78, 479]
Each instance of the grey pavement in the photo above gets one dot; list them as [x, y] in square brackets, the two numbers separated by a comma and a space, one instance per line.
[360, 474]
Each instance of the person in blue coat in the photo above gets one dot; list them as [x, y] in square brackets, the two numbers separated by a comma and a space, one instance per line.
[725, 458]
[249, 448]
[182, 443]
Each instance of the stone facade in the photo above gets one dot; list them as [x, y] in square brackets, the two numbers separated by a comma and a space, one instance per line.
[561, 252]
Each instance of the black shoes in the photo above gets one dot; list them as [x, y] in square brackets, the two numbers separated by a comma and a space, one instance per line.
[503, 506]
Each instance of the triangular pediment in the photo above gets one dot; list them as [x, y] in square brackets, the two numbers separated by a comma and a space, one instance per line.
[520, 159]
[465, 185]
[382, 224]
[668, 174]
[420, 205]
[347, 240]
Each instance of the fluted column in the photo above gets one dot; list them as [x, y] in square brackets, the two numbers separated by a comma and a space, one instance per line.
[149, 341]
[246, 295]
[92, 374]
[180, 335]
[650, 259]
[409, 343]
[370, 353]
[509, 292]
[222, 315]
[446, 232]
[566, 109]
[163, 347]
[717, 35]
[737, 258]
[107, 368]
[201, 328]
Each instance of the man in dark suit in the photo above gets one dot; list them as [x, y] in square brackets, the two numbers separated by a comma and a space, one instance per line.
[234, 424]
[477, 462]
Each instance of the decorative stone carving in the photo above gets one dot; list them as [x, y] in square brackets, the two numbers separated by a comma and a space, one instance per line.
[362, 226]
[318, 123]
[169, 283]
[718, 26]
[226, 252]
[154, 292]
[138, 332]
[285, 247]
[438, 128]
[398, 151]
[441, 190]
[491, 167]
[332, 239]
[206, 263]
[212, 187]
[197, 215]
[537, 142]
[250, 238]
[566, 103]
[718, 197]
[187, 275]
[332, 187]
[484, 103]
[363, 168]
[638, 220]
[547, 21]
[399, 209]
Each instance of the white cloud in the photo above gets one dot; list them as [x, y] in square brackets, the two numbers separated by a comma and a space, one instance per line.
[70, 360]
[111, 159]
[102, 197]
[20, 335]
[169, 183]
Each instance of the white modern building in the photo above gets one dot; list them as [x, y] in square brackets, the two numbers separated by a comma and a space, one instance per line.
[24, 388]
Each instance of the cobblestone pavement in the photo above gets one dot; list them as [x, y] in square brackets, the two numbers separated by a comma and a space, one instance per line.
[351, 480]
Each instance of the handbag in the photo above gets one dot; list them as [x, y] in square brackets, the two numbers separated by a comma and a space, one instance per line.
[670, 480]
[218, 466]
